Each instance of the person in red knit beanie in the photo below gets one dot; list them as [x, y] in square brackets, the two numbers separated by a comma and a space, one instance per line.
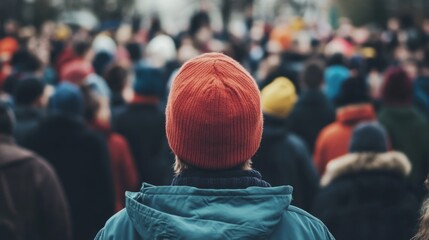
[214, 127]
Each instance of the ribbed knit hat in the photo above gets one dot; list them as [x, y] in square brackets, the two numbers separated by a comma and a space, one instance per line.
[279, 97]
[397, 88]
[369, 137]
[214, 117]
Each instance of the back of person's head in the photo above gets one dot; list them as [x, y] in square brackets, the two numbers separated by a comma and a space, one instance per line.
[278, 98]
[353, 91]
[312, 75]
[28, 91]
[6, 119]
[337, 59]
[198, 20]
[101, 62]
[116, 78]
[67, 99]
[397, 88]
[25, 61]
[81, 48]
[214, 117]
[149, 81]
[76, 72]
[369, 137]
[135, 51]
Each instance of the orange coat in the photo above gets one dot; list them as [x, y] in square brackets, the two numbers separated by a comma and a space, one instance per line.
[333, 141]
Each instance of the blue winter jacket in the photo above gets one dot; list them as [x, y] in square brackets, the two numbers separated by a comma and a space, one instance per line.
[181, 212]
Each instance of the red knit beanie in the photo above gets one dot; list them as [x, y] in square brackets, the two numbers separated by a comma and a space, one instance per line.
[397, 88]
[214, 117]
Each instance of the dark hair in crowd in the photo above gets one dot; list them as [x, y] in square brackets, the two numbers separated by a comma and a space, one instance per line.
[116, 78]
[28, 90]
[312, 75]
[80, 48]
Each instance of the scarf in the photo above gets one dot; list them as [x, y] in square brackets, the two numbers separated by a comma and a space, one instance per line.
[229, 179]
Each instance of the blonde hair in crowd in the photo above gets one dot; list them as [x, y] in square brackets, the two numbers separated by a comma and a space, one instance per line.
[423, 232]
[179, 166]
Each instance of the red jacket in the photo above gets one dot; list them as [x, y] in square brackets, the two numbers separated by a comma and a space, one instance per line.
[333, 141]
[124, 171]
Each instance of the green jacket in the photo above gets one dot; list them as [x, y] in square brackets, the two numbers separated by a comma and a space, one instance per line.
[180, 212]
[408, 131]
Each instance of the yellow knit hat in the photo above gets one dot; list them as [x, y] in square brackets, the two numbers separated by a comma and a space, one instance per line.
[279, 97]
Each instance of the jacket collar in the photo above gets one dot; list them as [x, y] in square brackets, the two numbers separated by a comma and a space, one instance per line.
[356, 162]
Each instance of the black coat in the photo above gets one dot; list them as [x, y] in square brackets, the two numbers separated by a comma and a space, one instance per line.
[143, 126]
[283, 159]
[80, 157]
[368, 200]
[310, 115]
[27, 119]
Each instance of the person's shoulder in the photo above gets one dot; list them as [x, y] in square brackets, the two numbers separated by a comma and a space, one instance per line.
[119, 226]
[300, 223]
[303, 215]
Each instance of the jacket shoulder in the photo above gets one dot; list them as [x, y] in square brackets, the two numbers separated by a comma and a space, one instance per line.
[298, 224]
[119, 226]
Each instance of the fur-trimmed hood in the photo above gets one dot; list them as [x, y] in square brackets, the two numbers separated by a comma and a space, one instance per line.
[355, 162]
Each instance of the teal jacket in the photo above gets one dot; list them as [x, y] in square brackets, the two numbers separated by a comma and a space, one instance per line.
[180, 212]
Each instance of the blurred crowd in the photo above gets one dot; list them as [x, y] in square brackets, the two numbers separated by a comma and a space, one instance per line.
[346, 116]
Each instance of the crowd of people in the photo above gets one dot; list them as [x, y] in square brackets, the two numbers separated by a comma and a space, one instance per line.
[340, 115]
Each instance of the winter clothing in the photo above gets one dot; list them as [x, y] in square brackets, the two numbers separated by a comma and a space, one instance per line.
[311, 113]
[365, 196]
[397, 89]
[67, 99]
[333, 141]
[26, 119]
[334, 77]
[182, 212]
[148, 81]
[160, 50]
[229, 179]
[76, 71]
[214, 100]
[124, 171]
[408, 131]
[283, 159]
[142, 124]
[80, 157]
[421, 95]
[369, 137]
[98, 84]
[32, 202]
[278, 98]
[104, 43]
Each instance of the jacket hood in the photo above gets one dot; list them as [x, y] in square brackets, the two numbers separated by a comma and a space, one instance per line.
[182, 212]
[353, 114]
[355, 162]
